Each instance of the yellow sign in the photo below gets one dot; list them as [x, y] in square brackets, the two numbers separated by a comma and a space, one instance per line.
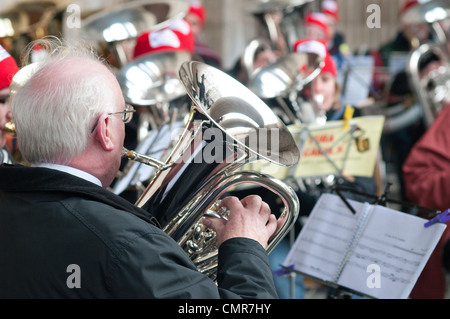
[331, 148]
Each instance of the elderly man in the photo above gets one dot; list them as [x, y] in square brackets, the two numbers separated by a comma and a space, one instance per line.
[64, 236]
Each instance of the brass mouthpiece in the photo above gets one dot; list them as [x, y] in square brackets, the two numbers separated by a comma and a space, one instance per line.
[10, 128]
[134, 156]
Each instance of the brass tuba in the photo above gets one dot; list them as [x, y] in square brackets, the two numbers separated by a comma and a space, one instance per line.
[431, 86]
[151, 83]
[428, 65]
[114, 29]
[280, 22]
[228, 126]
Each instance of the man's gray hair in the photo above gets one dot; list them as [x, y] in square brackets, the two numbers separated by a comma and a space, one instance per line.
[55, 109]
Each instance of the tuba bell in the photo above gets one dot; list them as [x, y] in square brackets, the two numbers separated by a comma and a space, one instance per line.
[114, 29]
[151, 83]
[428, 65]
[428, 71]
[284, 79]
[228, 126]
[28, 20]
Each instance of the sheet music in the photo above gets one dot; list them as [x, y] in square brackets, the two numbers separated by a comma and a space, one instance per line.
[355, 78]
[397, 63]
[395, 242]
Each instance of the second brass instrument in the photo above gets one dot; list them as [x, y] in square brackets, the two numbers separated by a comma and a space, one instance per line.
[10, 129]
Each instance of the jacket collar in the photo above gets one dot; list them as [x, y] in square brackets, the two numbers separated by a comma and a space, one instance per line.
[19, 178]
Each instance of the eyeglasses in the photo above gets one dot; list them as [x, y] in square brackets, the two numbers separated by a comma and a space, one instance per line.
[127, 113]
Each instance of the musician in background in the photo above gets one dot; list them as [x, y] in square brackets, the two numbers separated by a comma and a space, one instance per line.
[8, 68]
[316, 27]
[408, 37]
[426, 174]
[196, 16]
[397, 144]
[63, 235]
[337, 47]
[178, 36]
[324, 95]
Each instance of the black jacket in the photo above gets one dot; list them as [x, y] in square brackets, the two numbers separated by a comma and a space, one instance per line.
[64, 237]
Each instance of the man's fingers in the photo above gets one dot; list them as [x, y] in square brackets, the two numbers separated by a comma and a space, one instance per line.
[231, 202]
[252, 202]
[214, 223]
[265, 209]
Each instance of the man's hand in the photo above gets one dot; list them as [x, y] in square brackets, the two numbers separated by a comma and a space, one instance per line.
[249, 217]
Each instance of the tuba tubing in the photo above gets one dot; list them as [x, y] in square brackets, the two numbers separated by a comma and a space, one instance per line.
[187, 227]
[228, 126]
[420, 82]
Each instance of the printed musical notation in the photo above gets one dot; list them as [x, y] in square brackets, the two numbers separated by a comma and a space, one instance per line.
[337, 246]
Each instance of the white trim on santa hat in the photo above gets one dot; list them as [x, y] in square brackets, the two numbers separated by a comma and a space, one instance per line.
[312, 46]
[181, 25]
[330, 5]
[164, 37]
[195, 4]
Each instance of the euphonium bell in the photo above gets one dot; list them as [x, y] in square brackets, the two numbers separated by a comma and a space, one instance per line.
[228, 126]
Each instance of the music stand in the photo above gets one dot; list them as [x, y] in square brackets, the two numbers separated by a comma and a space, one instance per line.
[307, 132]
[355, 77]
[342, 292]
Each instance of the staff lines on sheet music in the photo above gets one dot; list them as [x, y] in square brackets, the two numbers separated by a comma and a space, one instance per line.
[394, 278]
[338, 211]
[385, 264]
[326, 234]
[388, 275]
[302, 265]
[388, 244]
[389, 255]
[353, 263]
[312, 242]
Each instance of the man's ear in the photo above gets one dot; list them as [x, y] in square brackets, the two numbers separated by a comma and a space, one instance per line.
[103, 132]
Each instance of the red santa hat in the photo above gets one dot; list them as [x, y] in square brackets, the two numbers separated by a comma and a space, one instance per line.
[177, 37]
[318, 47]
[331, 8]
[408, 4]
[319, 19]
[197, 8]
[8, 68]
